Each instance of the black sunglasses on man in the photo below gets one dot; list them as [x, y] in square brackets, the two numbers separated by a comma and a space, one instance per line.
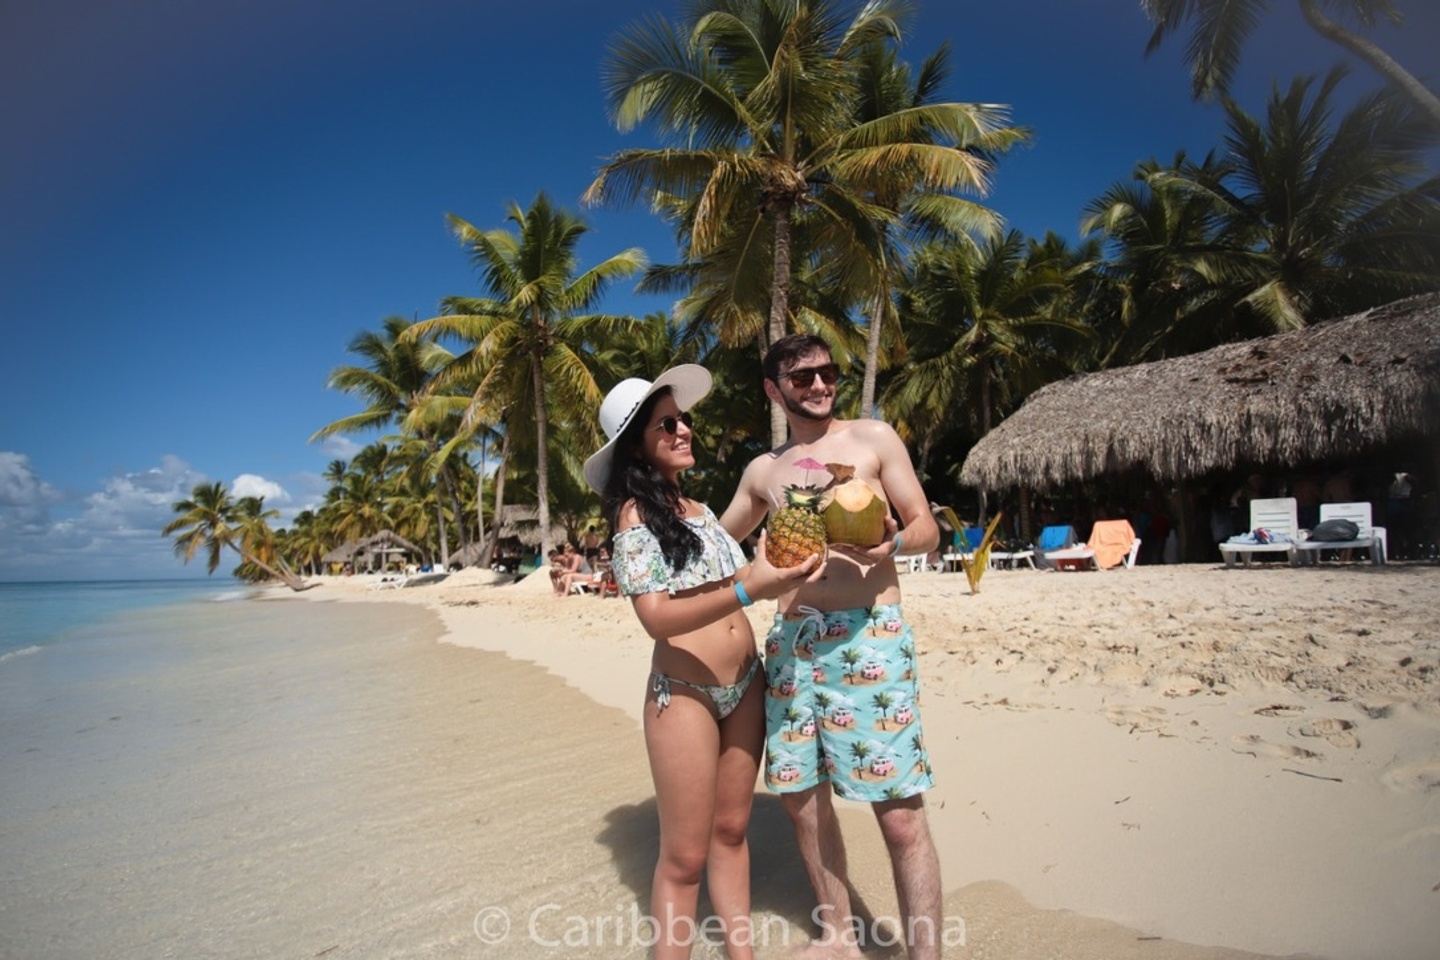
[801, 379]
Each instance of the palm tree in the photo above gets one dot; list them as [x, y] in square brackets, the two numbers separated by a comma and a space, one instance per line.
[756, 100]
[981, 326]
[883, 702]
[394, 382]
[859, 750]
[886, 87]
[531, 341]
[850, 657]
[1317, 218]
[212, 520]
[823, 701]
[361, 509]
[1157, 300]
[334, 471]
[793, 716]
[1220, 28]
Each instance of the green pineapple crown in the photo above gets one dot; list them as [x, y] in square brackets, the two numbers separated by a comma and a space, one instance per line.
[803, 497]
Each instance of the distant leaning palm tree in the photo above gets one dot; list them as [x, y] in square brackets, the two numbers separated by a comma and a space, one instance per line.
[531, 342]
[212, 520]
[1221, 27]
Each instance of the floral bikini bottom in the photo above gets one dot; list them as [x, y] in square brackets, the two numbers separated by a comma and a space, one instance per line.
[726, 697]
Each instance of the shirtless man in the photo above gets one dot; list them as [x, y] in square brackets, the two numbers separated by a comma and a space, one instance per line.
[842, 704]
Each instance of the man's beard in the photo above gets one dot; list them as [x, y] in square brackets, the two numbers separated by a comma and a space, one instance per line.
[794, 407]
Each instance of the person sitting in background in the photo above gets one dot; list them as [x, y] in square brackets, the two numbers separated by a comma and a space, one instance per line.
[590, 577]
[558, 570]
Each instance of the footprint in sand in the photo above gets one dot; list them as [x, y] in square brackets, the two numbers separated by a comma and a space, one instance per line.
[1141, 719]
[1421, 777]
[1337, 732]
[1279, 710]
[1256, 747]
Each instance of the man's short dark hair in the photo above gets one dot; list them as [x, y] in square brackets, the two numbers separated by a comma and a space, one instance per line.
[785, 351]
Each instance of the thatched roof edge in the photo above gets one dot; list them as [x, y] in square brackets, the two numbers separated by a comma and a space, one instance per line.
[1326, 390]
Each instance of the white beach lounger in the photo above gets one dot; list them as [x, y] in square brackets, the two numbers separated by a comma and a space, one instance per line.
[1013, 557]
[1277, 515]
[1371, 537]
[1083, 552]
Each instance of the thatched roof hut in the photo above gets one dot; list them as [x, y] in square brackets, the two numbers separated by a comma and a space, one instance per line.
[387, 541]
[468, 555]
[1330, 390]
[522, 523]
[342, 553]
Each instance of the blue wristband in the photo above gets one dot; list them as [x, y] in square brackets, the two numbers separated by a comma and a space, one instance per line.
[896, 551]
[744, 597]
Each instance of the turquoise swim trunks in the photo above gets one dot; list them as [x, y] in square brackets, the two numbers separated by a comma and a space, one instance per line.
[842, 704]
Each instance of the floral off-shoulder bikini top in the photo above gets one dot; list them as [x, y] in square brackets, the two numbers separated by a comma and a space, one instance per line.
[640, 566]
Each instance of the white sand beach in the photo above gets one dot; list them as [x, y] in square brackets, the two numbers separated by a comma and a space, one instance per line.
[1160, 762]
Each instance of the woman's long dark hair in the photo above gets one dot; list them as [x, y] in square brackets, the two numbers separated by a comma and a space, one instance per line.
[632, 477]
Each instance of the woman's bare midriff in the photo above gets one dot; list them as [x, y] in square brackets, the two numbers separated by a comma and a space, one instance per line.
[717, 653]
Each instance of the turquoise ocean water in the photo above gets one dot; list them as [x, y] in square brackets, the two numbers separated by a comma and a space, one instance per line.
[35, 615]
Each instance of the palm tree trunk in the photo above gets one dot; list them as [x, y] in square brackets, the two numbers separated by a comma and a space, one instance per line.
[444, 546]
[542, 464]
[872, 349]
[451, 490]
[984, 427]
[1383, 63]
[499, 510]
[480, 502]
[780, 308]
[289, 579]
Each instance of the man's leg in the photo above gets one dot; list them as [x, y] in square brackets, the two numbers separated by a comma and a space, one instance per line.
[917, 873]
[822, 849]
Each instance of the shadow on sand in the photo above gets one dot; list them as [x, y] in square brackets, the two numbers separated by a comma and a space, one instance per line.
[778, 883]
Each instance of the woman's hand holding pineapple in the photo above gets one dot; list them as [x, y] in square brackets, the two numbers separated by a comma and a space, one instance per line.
[765, 581]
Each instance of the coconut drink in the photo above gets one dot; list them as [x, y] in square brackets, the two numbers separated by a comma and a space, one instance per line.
[853, 508]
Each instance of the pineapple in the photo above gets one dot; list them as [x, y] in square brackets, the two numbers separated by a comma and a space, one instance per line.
[797, 530]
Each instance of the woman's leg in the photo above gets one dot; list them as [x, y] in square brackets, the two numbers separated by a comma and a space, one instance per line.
[742, 740]
[683, 742]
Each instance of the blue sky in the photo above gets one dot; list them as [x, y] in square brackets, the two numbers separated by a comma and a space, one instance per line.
[201, 203]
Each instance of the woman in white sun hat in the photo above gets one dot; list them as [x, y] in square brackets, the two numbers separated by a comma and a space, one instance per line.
[704, 701]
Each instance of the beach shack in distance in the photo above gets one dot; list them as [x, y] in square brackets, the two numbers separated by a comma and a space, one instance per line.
[1343, 410]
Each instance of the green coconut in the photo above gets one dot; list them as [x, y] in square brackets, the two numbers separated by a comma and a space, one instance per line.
[854, 509]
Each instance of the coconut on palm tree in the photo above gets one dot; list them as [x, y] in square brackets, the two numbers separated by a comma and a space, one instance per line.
[211, 520]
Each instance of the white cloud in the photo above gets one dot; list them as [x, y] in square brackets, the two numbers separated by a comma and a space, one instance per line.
[115, 533]
[19, 485]
[139, 504]
[342, 447]
[253, 485]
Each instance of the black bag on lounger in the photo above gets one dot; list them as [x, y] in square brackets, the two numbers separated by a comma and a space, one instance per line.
[1335, 531]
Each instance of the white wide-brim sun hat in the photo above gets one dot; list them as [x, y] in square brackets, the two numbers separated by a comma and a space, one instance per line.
[688, 382]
